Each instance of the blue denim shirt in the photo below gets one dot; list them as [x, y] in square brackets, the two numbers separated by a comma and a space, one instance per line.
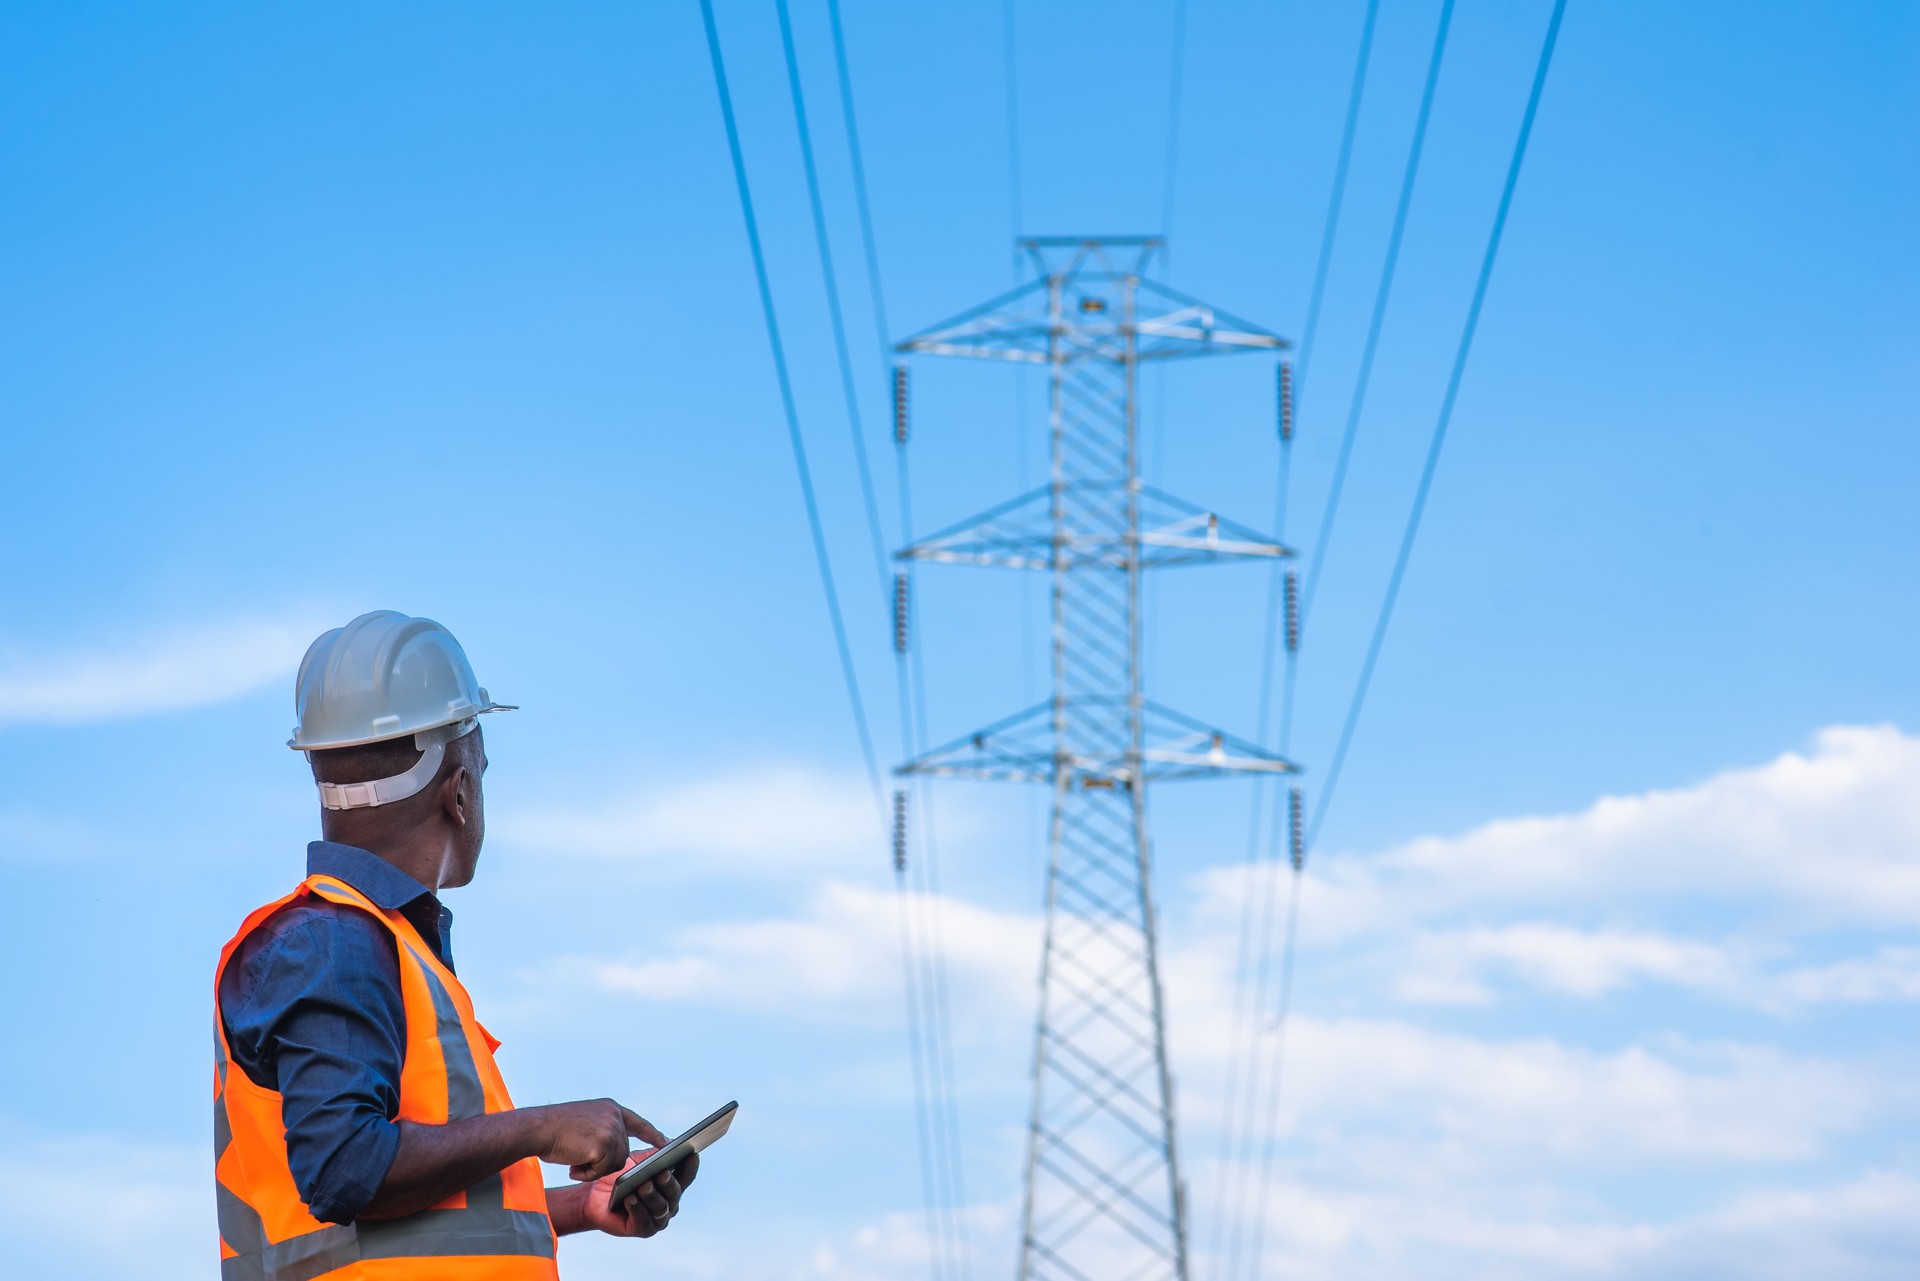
[313, 1009]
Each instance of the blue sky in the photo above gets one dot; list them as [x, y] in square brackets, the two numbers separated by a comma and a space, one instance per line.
[1608, 950]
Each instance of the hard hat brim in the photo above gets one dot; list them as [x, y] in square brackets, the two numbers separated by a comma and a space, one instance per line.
[452, 718]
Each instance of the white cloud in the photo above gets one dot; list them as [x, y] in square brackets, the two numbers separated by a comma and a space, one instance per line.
[1536, 1104]
[1670, 1100]
[1460, 968]
[776, 819]
[1824, 837]
[1587, 963]
[1889, 974]
[811, 1247]
[1719, 889]
[1430, 1130]
[1456, 967]
[840, 956]
[164, 670]
[1863, 1228]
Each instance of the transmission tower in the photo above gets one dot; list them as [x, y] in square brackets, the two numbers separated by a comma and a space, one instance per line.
[1103, 1199]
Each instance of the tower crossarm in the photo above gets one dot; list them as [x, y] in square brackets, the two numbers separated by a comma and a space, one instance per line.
[1022, 748]
[1020, 534]
[1027, 326]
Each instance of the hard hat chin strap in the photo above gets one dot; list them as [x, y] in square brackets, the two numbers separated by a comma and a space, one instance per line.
[382, 791]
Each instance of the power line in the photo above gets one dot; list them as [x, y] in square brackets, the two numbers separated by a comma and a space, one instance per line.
[909, 963]
[1231, 1173]
[947, 1106]
[1336, 198]
[943, 1153]
[1283, 1011]
[794, 437]
[1174, 86]
[860, 185]
[1026, 588]
[823, 246]
[1008, 48]
[1367, 353]
[1439, 429]
[1158, 425]
[923, 1046]
[1271, 1127]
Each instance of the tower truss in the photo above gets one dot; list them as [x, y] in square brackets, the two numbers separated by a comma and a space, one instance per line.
[1103, 1200]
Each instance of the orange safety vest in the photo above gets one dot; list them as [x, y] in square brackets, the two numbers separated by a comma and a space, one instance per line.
[496, 1230]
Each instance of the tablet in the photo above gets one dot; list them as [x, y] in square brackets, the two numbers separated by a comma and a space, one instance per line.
[698, 1139]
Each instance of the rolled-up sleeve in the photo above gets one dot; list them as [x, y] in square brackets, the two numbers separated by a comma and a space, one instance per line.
[318, 1013]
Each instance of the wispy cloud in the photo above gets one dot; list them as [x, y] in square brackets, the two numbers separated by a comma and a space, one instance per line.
[161, 670]
[1415, 1221]
[766, 820]
[839, 957]
[1823, 836]
[1433, 1123]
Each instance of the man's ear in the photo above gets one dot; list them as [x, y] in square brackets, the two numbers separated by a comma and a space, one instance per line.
[456, 796]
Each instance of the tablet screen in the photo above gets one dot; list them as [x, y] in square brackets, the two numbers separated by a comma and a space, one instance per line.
[698, 1139]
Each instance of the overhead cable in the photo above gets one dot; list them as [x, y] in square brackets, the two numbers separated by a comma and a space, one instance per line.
[794, 438]
[1012, 80]
[926, 967]
[1174, 85]
[860, 185]
[1440, 426]
[1381, 295]
[1282, 598]
[1246, 1040]
[1330, 227]
[939, 1262]
[1011, 77]
[1283, 1012]
[923, 1041]
[823, 246]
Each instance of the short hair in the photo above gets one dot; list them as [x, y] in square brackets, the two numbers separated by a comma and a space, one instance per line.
[392, 756]
[366, 762]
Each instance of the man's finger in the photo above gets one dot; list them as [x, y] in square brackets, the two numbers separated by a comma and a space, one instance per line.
[640, 1128]
[654, 1203]
[599, 1167]
[669, 1187]
[639, 1221]
[687, 1169]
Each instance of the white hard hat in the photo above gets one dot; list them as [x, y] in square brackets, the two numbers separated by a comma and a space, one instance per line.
[381, 677]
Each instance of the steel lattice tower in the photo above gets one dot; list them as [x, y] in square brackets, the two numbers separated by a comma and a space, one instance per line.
[1104, 1200]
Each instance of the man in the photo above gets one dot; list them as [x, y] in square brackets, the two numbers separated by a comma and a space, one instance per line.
[361, 1126]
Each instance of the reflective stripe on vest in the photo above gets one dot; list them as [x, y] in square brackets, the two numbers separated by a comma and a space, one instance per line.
[497, 1230]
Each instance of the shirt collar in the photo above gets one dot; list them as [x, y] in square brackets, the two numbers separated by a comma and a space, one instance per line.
[386, 885]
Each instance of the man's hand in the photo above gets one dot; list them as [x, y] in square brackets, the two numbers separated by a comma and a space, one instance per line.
[591, 1137]
[435, 1161]
[644, 1213]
